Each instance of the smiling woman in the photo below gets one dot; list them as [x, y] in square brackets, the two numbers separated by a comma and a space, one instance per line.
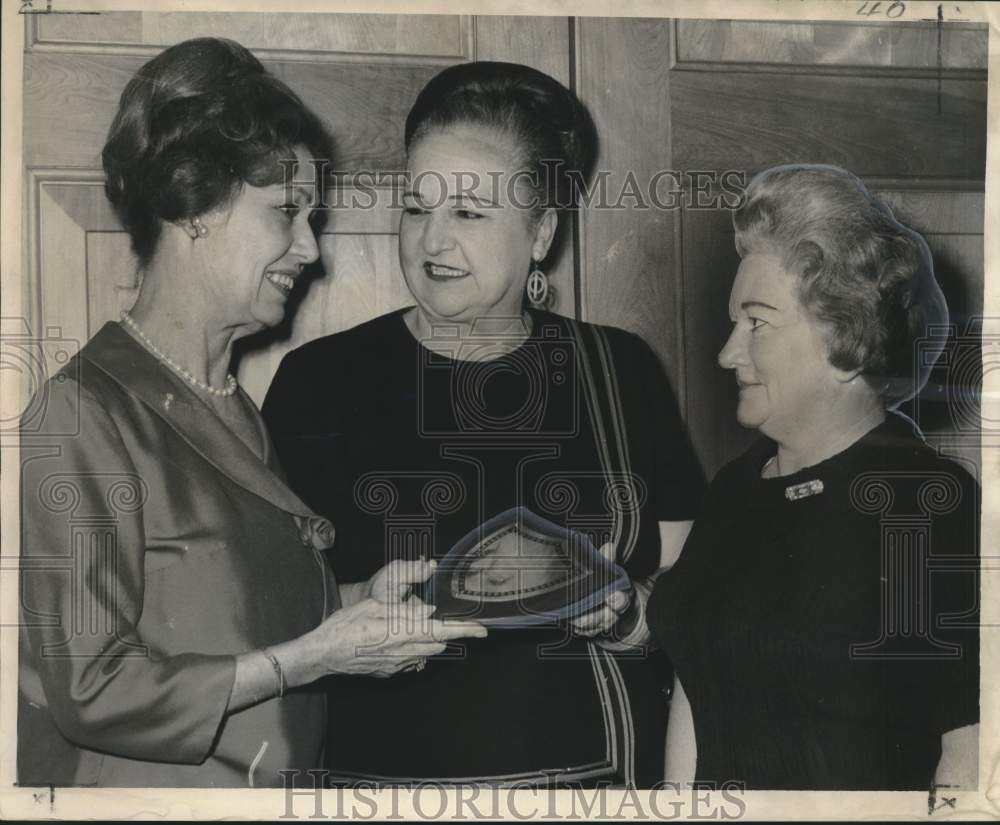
[820, 645]
[465, 252]
[477, 390]
[212, 606]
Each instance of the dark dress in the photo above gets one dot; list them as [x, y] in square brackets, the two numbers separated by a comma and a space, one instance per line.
[812, 659]
[407, 451]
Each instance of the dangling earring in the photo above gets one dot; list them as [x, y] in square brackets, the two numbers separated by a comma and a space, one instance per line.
[199, 227]
[538, 286]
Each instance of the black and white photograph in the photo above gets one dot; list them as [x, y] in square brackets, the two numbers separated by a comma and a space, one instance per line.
[464, 411]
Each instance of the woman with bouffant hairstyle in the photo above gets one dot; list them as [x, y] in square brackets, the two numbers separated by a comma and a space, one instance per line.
[867, 277]
[208, 603]
[193, 125]
[477, 388]
[814, 647]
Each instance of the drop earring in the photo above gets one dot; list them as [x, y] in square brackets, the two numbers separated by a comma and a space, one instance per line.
[199, 227]
[537, 286]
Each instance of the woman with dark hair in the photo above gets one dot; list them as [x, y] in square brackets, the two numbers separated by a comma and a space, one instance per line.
[822, 618]
[192, 601]
[483, 396]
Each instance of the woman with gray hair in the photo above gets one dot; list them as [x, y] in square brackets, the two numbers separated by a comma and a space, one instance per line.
[822, 616]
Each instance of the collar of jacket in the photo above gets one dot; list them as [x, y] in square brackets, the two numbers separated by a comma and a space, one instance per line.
[139, 372]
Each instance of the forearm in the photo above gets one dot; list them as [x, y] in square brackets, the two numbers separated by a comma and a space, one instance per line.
[682, 749]
[255, 681]
[269, 672]
[959, 763]
[673, 534]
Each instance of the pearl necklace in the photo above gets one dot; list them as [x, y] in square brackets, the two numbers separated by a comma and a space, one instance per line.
[225, 392]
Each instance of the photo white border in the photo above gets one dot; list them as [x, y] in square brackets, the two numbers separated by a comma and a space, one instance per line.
[88, 803]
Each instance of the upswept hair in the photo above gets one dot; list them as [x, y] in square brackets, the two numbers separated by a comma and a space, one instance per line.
[867, 278]
[195, 123]
[554, 134]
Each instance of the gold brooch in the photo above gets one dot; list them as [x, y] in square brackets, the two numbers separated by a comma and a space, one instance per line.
[808, 488]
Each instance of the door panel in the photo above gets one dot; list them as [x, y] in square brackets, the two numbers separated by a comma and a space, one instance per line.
[359, 72]
[688, 96]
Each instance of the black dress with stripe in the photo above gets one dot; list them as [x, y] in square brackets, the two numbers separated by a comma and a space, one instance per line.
[407, 451]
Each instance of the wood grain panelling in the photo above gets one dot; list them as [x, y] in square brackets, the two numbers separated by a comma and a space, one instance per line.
[709, 265]
[739, 96]
[368, 34]
[943, 213]
[74, 281]
[70, 100]
[112, 279]
[952, 225]
[86, 264]
[872, 126]
[543, 44]
[815, 44]
[118, 27]
[360, 73]
[540, 42]
[69, 103]
[360, 278]
[628, 274]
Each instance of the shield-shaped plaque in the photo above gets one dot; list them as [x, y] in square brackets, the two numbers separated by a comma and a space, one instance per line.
[520, 570]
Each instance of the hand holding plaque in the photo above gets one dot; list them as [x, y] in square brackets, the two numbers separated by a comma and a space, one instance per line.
[520, 570]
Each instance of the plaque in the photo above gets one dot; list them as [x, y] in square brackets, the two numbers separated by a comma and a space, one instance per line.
[520, 570]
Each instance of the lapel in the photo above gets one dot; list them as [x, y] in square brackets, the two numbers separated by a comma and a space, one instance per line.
[117, 354]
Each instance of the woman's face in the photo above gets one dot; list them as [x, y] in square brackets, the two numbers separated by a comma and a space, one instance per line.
[778, 352]
[256, 248]
[464, 246]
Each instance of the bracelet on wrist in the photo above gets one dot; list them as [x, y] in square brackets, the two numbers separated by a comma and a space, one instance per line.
[279, 674]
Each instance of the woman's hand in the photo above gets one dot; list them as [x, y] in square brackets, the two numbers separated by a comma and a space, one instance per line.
[394, 582]
[603, 618]
[384, 632]
[374, 638]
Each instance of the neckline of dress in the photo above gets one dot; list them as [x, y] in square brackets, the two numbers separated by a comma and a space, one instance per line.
[532, 314]
[894, 427]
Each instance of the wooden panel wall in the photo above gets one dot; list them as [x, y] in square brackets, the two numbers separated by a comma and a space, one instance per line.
[745, 96]
[711, 44]
[876, 126]
[687, 96]
[629, 274]
[443, 36]
[360, 73]
[544, 44]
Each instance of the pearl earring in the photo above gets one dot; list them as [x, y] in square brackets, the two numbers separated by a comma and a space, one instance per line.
[199, 227]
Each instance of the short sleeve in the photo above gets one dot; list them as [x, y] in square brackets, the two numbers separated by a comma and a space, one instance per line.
[83, 595]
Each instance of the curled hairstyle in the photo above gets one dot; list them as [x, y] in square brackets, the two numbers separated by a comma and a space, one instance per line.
[193, 125]
[867, 278]
[552, 131]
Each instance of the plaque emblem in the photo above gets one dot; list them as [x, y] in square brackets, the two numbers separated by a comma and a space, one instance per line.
[520, 570]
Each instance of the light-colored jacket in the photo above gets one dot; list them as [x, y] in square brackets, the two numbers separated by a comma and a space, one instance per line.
[156, 547]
